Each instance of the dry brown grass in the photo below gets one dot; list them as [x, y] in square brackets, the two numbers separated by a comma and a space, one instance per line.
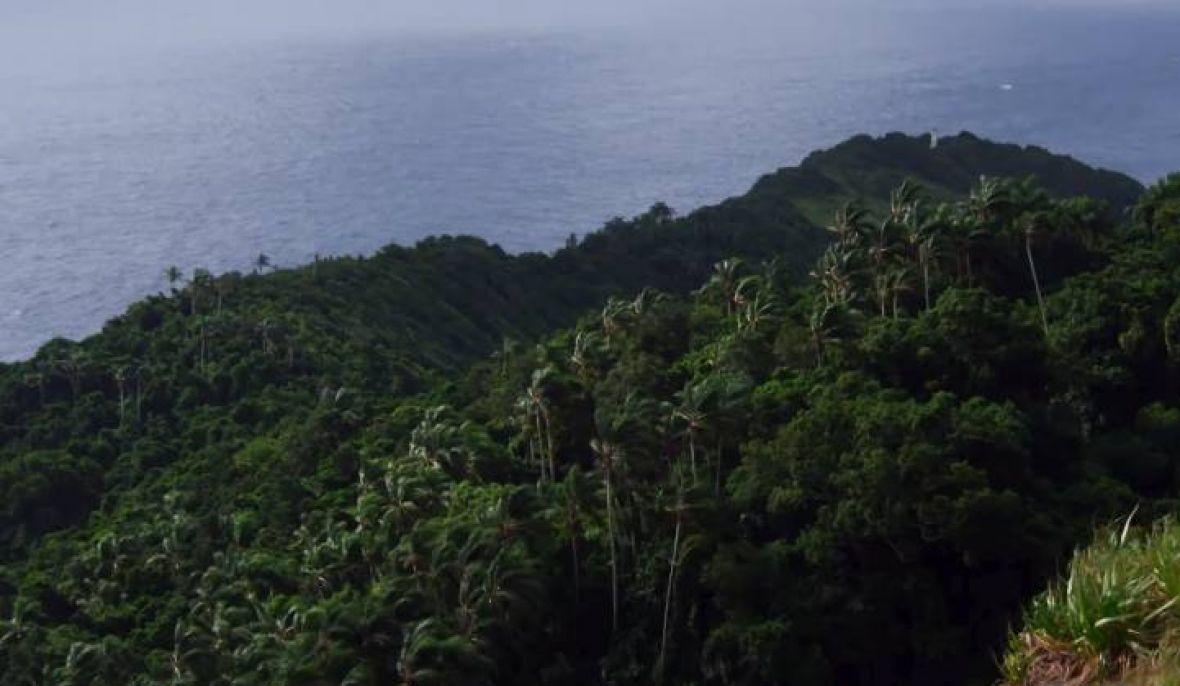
[1050, 663]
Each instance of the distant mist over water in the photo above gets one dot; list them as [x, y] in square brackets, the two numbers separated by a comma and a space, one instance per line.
[117, 163]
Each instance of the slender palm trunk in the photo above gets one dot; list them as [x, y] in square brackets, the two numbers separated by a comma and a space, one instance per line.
[577, 570]
[925, 275]
[668, 591]
[1032, 268]
[201, 361]
[549, 448]
[881, 288]
[540, 442]
[717, 474]
[614, 556]
[692, 454]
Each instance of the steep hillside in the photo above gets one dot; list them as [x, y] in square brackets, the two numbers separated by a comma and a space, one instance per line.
[721, 474]
[868, 168]
[393, 321]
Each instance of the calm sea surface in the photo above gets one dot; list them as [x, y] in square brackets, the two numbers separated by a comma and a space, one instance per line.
[113, 168]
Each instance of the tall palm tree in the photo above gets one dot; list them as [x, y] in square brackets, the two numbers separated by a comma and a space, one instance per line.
[729, 393]
[881, 282]
[773, 272]
[987, 203]
[438, 442]
[726, 275]
[120, 376]
[201, 281]
[536, 423]
[508, 349]
[756, 313]
[821, 324]
[582, 357]
[989, 199]
[644, 301]
[1033, 227]
[660, 213]
[224, 286]
[966, 232]
[1026, 196]
[898, 283]
[574, 498]
[754, 302]
[850, 222]
[679, 510]
[882, 251]
[834, 273]
[608, 455]
[922, 232]
[903, 200]
[74, 366]
[691, 412]
[529, 433]
[541, 410]
[82, 662]
[266, 330]
[431, 654]
[202, 342]
[173, 275]
[928, 250]
[611, 314]
[139, 373]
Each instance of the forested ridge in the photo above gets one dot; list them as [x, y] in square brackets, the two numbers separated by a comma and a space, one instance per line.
[725, 448]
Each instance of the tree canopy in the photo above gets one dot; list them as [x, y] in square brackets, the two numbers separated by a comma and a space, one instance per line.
[675, 452]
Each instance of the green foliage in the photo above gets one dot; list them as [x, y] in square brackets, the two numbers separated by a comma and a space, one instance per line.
[403, 470]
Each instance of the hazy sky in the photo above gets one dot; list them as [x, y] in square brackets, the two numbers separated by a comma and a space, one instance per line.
[182, 17]
[65, 32]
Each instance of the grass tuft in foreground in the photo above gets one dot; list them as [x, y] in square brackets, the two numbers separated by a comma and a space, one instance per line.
[1114, 617]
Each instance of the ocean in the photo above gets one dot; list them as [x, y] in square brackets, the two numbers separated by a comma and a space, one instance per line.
[114, 167]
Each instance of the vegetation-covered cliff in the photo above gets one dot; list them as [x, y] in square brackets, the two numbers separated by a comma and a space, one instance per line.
[728, 448]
